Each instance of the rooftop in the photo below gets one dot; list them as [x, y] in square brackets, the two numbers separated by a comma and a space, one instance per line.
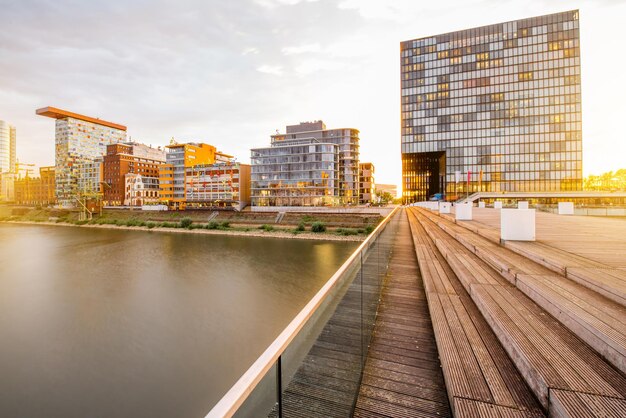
[56, 113]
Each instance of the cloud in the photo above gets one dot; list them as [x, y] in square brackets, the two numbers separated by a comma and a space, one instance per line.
[249, 51]
[271, 69]
[302, 49]
[231, 72]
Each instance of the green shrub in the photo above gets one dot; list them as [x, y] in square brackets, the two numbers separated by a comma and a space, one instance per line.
[301, 227]
[80, 222]
[346, 231]
[134, 222]
[212, 225]
[169, 225]
[150, 225]
[266, 227]
[318, 227]
[369, 229]
[186, 223]
[225, 225]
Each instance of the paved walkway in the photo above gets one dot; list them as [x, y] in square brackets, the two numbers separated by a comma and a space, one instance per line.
[403, 375]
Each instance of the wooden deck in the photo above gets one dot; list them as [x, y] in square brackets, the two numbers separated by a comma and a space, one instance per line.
[402, 376]
[589, 250]
[479, 374]
[516, 301]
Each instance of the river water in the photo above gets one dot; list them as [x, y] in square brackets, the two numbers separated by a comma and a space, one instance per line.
[116, 323]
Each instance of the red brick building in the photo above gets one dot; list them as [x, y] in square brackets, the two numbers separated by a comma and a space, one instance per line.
[129, 158]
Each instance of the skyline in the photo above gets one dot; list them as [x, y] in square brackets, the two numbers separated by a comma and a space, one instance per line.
[230, 75]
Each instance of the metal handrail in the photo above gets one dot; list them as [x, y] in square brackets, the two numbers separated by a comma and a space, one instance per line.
[239, 392]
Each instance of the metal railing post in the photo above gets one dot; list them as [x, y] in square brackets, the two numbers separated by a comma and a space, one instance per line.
[279, 388]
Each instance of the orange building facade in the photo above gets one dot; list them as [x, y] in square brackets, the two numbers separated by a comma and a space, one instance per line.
[172, 175]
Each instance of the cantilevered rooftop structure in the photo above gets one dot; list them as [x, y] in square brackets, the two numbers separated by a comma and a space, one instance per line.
[80, 143]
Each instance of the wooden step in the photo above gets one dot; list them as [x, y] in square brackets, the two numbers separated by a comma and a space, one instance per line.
[608, 280]
[477, 370]
[547, 354]
[597, 320]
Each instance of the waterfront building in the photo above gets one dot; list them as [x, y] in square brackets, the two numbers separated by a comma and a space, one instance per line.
[366, 183]
[172, 174]
[223, 185]
[7, 187]
[496, 107]
[7, 148]
[131, 166]
[80, 143]
[295, 172]
[140, 190]
[37, 191]
[280, 170]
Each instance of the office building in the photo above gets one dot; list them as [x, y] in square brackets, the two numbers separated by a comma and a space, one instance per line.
[131, 165]
[224, 185]
[498, 107]
[366, 183]
[7, 148]
[295, 172]
[282, 170]
[172, 174]
[80, 143]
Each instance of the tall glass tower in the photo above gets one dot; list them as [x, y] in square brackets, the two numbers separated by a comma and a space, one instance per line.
[495, 108]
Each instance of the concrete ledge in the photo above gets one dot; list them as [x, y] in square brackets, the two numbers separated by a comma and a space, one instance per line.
[463, 212]
[566, 208]
[517, 224]
[523, 204]
[445, 207]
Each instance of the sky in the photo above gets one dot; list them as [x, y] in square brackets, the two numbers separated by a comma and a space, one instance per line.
[231, 73]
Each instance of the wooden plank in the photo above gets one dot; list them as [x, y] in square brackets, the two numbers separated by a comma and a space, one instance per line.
[403, 380]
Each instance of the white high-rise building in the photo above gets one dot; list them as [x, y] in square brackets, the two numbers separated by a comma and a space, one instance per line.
[7, 147]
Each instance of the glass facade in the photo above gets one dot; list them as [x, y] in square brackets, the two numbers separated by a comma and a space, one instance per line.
[495, 108]
[347, 141]
[219, 185]
[7, 148]
[295, 172]
[79, 147]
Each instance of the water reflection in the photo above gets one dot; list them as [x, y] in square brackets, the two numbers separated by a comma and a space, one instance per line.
[129, 323]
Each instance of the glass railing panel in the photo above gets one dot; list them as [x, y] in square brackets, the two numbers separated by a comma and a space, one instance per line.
[322, 353]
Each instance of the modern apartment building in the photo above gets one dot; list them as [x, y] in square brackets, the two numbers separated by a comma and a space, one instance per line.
[498, 105]
[7, 148]
[80, 143]
[289, 170]
[366, 183]
[218, 186]
[134, 158]
[295, 172]
[36, 191]
[172, 174]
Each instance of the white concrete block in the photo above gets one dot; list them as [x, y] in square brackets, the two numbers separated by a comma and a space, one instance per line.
[481, 204]
[445, 207]
[522, 204]
[463, 212]
[497, 205]
[433, 205]
[566, 208]
[517, 224]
